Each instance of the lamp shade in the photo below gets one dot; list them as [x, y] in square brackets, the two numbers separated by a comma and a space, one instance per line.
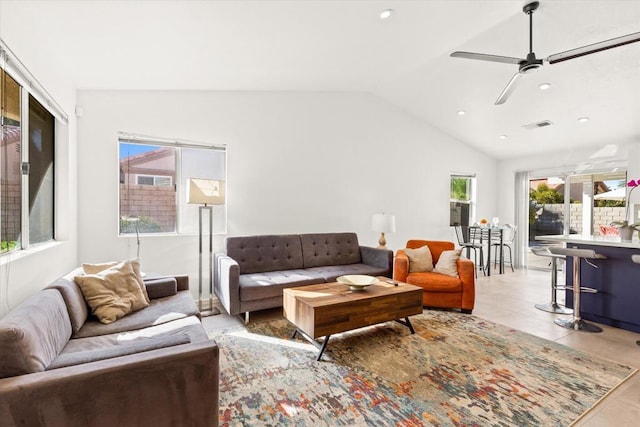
[383, 223]
[205, 191]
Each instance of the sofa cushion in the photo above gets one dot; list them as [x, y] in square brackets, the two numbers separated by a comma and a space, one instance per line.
[330, 249]
[331, 272]
[74, 300]
[161, 310]
[190, 326]
[88, 356]
[112, 293]
[435, 282]
[33, 334]
[269, 284]
[256, 254]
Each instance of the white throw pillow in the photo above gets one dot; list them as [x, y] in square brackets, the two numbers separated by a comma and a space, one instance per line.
[448, 263]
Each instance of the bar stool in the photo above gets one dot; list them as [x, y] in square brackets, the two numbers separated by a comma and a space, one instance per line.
[553, 306]
[636, 259]
[576, 322]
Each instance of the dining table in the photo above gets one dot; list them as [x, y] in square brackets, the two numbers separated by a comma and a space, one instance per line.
[490, 234]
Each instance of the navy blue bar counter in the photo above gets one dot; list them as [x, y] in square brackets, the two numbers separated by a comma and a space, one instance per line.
[617, 279]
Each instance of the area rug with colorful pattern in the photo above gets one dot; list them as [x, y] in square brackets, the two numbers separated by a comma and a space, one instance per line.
[456, 370]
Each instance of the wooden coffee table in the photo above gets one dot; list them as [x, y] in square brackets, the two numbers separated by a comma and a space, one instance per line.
[330, 308]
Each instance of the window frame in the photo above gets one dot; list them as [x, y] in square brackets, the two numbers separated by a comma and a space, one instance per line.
[29, 86]
[178, 145]
[471, 191]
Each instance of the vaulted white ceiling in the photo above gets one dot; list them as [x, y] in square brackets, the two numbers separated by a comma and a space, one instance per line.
[345, 46]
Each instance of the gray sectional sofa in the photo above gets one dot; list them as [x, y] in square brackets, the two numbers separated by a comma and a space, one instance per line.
[59, 366]
[254, 270]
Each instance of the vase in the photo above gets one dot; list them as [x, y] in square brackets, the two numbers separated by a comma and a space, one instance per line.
[626, 232]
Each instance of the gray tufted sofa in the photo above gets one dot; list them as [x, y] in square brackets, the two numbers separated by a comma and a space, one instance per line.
[254, 270]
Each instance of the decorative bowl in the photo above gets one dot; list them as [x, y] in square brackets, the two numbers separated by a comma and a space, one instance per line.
[357, 282]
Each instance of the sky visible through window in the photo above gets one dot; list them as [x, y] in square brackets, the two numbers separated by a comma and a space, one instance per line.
[128, 150]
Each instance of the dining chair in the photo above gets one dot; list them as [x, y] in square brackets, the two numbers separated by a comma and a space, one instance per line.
[466, 241]
[508, 239]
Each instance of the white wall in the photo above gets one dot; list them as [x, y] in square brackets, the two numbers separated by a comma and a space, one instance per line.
[297, 162]
[23, 273]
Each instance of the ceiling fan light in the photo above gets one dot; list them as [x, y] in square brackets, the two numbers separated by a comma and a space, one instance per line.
[385, 14]
[544, 86]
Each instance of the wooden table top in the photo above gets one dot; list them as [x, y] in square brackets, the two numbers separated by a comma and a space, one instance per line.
[325, 294]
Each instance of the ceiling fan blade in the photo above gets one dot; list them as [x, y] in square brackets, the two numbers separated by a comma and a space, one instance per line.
[485, 57]
[506, 92]
[593, 48]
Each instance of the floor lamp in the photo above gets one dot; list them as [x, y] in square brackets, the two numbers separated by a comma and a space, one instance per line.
[205, 192]
[136, 221]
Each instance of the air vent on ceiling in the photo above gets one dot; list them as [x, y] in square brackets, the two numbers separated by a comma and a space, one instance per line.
[537, 125]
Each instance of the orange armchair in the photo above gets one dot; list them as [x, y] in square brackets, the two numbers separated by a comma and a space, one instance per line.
[439, 290]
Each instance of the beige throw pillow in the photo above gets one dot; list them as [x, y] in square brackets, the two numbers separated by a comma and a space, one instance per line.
[135, 264]
[113, 292]
[448, 263]
[420, 259]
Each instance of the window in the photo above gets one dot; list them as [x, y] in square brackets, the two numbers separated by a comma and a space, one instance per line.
[26, 164]
[152, 184]
[462, 199]
[161, 181]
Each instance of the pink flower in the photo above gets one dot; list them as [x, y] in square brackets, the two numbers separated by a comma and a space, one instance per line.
[633, 183]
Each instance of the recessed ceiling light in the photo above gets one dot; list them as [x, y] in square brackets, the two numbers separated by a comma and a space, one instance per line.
[544, 86]
[503, 137]
[386, 13]
[583, 119]
[461, 112]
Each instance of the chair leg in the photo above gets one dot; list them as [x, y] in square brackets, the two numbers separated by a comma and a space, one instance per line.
[510, 258]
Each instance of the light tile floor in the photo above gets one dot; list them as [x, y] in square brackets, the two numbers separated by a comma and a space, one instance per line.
[509, 299]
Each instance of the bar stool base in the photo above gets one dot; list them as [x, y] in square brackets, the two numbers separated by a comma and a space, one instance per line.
[578, 325]
[553, 307]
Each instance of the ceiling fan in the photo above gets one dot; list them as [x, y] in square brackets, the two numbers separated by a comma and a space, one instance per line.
[531, 63]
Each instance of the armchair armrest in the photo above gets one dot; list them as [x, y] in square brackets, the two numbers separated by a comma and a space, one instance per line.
[377, 257]
[466, 272]
[164, 387]
[401, 266]
[226, 283]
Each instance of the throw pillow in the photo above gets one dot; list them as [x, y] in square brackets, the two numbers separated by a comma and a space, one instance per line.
[112, 293]
[135, 264]
[419, 259]
[448, 263]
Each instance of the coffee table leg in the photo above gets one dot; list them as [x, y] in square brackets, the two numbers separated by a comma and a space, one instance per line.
[406, 322]
[324, 345]
[320, 346]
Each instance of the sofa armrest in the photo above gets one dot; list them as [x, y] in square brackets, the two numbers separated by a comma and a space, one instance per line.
[377, 257]
[182, 280]
[226, 283]
[466, 272]
[164, 387]
[401, 266]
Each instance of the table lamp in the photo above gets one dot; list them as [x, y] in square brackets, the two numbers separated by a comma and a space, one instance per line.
[205, 192]
[383, 223]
